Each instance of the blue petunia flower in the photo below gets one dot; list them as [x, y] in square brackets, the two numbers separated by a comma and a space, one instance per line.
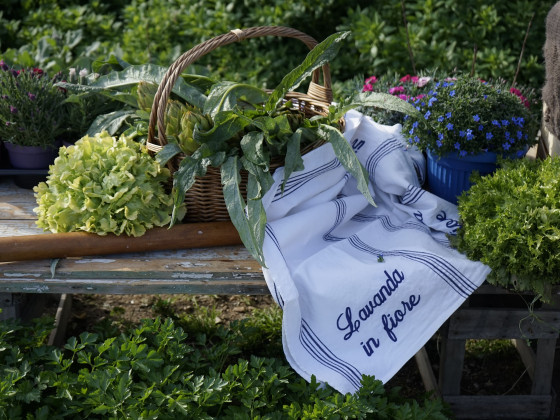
[489, 136]
[452, 93]
[440, 118]
[448, 115]
[470, 135]
[427, 114]
[476, 118]
[457, 146]
[506, 146]
[463, 153]
[449, 126]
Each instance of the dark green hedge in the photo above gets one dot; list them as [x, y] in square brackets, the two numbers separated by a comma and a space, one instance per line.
[443, 34]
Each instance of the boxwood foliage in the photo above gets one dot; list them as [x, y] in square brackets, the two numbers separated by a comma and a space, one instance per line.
[158, 371]
[511, 222]
[443, 34]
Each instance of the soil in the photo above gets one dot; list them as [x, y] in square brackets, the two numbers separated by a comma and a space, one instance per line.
[491, 368]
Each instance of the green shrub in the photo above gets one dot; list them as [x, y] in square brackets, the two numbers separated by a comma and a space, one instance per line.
[157, 370]
[443, 34]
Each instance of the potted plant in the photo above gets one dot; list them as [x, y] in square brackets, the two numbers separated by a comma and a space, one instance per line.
[32, 116]
[510, 221]
[463, 125]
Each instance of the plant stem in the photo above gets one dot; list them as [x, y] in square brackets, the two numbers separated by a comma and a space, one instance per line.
[475, 51]
[408, 38]
[522, 50]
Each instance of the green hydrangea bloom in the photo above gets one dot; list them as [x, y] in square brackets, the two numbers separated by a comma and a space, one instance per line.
[104, 185]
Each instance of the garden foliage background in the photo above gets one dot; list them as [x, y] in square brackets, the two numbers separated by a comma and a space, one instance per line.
[443, 33]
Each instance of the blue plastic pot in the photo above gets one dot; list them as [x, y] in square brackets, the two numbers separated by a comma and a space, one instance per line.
[449, 176]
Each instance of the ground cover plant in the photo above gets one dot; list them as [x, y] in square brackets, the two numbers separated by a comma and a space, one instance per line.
[156, 370]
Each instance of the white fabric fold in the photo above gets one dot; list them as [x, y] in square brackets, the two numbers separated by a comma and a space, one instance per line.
[362, 288]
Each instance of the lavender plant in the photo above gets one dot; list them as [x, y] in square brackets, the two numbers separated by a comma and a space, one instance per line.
[32, 111]
[466, 116]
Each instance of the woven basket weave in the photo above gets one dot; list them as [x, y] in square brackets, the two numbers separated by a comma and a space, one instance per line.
[204, 200]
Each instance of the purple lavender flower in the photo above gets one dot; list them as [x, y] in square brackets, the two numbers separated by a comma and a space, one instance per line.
[13, 109]
[31, 96]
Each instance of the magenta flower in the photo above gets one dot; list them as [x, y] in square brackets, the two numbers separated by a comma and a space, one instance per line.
[396, 90]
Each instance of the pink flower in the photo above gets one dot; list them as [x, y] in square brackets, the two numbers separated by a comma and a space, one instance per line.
[369, 82]
[423, 81]
[409, 78]
[396, 90]
[522, 98]
[403, 97]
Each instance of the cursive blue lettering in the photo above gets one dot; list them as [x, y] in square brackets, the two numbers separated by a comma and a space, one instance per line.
[352, 327]
[370, 344]
[390, 322]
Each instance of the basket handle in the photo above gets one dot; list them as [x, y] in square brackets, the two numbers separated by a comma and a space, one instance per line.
[322, 93]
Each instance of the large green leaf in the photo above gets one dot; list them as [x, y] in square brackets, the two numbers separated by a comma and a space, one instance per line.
[184, 178]
[111, 122]
[317, 57]
[149, 73]
[231, 179]
[169, 151]
[385, 101]
[252, 147]
[226, 96]
[226, 125]
[347, 158]
[293, 161]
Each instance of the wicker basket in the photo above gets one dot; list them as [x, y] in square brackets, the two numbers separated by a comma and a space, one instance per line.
[204, 200]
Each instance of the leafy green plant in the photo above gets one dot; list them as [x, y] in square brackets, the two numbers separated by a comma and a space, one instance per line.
[510, 221]
[157, 370]
[104, 185]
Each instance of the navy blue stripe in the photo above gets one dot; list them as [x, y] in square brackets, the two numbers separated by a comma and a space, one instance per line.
[390, 145]
[320, 352]
[340, 213]
[447, 272]
[389, 226]
[412, 195]
[297, 181]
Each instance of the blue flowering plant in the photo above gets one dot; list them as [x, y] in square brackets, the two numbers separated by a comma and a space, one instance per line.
[467, 116]
[32, 110]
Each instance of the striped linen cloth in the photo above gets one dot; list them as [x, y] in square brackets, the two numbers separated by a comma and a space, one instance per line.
[362, 288]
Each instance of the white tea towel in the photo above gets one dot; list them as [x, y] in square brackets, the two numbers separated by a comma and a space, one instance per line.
[362, 288]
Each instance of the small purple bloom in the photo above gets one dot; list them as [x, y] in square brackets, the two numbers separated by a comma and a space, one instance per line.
[452, 93]
[505, 123]
[440, 118]
[470, 135]
[31, 96]
[506, 146]
[439, 143]
[462, 133]
[448, 115]
[449, 126]
[480, 127]
[427, 114]
[457, 146]
[489, 136]
[496, 123]
[13, 109]
[476, 118]
[416, 139]
[463, 153]
[519, 135]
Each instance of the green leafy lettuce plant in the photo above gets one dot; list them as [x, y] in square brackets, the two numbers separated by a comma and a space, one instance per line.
[511, 222]
[466, 116]
[104, 185]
